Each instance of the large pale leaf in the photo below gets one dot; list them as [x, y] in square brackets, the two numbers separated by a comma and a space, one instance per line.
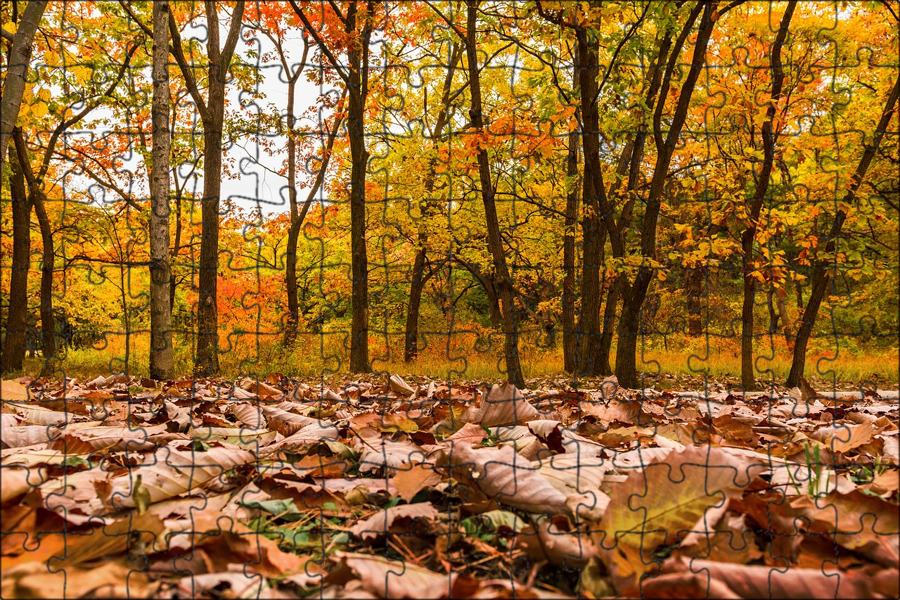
[383, 521]
[175, 472]
[501, 474]
[653, 506]
[505, 405]
[395, 579]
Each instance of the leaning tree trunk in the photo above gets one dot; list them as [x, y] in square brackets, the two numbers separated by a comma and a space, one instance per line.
[633, 301]
[17, 69]
[594, 199]
[162, 360]
[416, 287]
[417, 282]
[501, 272]
[821, 275]
[13, 351]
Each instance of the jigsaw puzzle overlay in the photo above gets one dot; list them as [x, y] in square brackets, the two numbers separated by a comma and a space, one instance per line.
[449, 299]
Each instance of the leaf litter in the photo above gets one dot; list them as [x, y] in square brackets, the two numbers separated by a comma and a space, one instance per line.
[384, 488]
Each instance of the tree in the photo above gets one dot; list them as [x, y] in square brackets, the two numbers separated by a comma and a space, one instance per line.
[162, 361]
[212, 114]
[358, 25]
[13, 351]
[626, 366]
[19, 61]
[495, 244]
[748, 380]
[821, 275]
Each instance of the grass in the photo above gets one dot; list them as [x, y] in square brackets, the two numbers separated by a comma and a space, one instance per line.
[467, 357]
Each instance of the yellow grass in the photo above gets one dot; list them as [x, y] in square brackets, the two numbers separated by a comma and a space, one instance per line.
[315, 356]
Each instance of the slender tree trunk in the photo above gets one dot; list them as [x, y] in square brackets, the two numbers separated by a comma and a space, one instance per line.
[207, 360]
[162, 360]
[633, 302]
[821, 274]
[501, 272]
[594, 228]
[13, 350]
[48, 321]
[570, 335]
[176, 249]
[693, 290]
[19, 60]
[213, 115]
[416, 286]
[748, 380]
[290, 258]
[417, 281]
[359, 158]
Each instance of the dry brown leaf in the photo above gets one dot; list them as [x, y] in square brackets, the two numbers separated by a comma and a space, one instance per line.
[664, 500]
[113, 579]
[383, 521]
[395, 579]
[13, 391]
[400, 387]
[865, 524]
[694, 578]
[410, 482]
[172, 472]
[286, 423]
[501, 474]
[505, 405]
[470, 433]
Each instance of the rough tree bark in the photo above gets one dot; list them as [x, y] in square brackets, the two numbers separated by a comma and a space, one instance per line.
[162, 358]
[13, 350]
[821, 274]
[748, 380]
[570, 335]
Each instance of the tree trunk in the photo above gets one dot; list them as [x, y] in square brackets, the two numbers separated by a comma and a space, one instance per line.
[748, 381]
[48, 321]
[162, 361]
[19, 60]
[821, 275]
[417, 282]
[359, 158]
[206, 361]
[290, 257]
[570, 335]
[13, 350]
[693, 290]
[501, 272]
[596, 209]
[626, 359]
[416, 286]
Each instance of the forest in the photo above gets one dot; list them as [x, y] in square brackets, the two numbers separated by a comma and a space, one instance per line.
[210, 206]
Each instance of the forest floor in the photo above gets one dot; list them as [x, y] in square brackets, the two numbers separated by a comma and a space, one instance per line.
[385, 487]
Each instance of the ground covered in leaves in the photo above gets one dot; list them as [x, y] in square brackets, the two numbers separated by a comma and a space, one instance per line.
[384, 488]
